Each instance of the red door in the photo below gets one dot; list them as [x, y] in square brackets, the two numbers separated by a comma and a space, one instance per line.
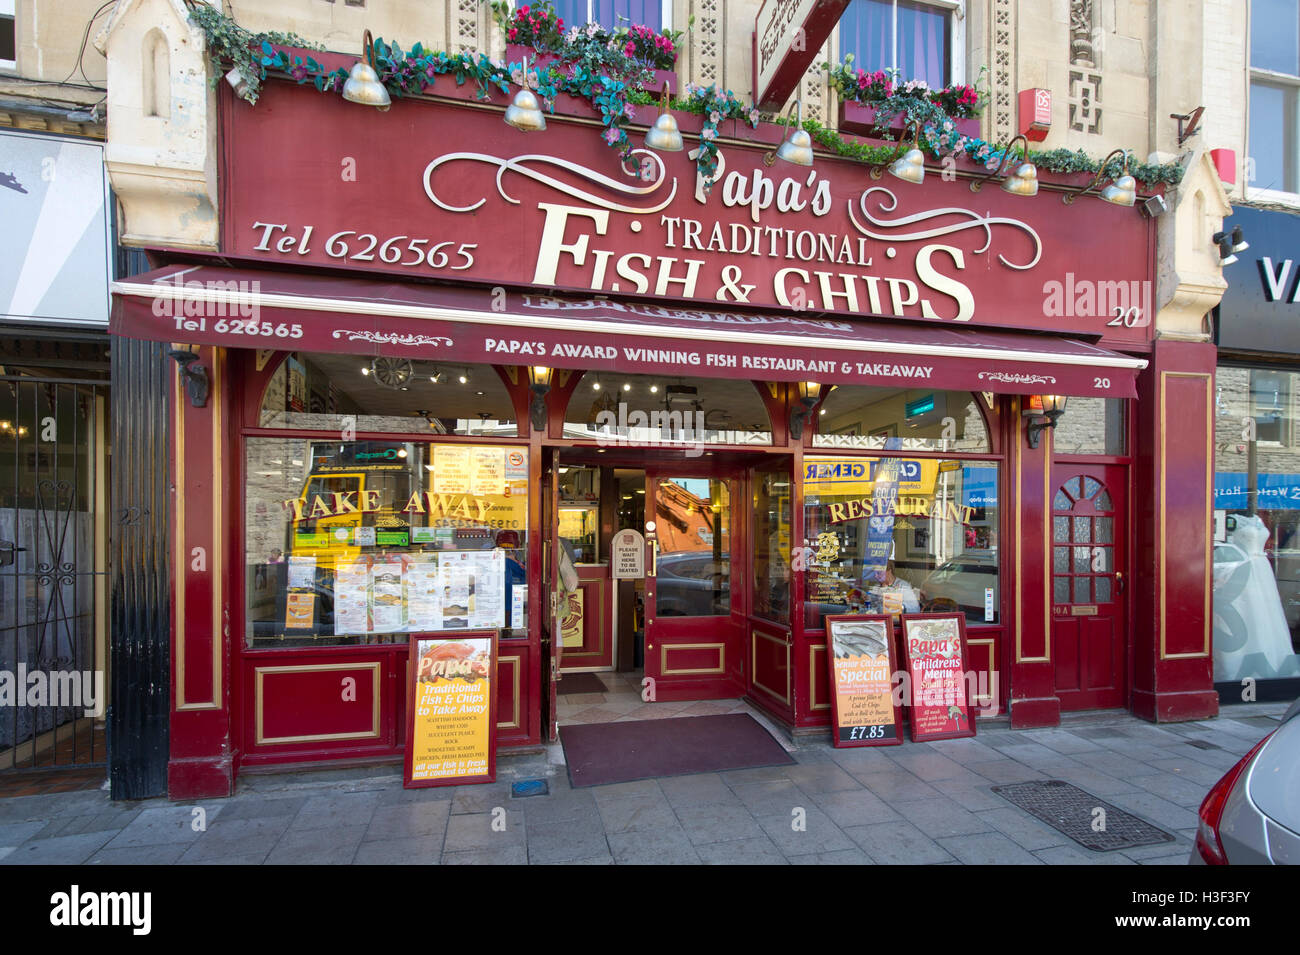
[695, 583]
[1089, 567]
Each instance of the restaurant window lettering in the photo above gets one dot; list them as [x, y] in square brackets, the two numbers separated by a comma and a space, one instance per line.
[901, 535]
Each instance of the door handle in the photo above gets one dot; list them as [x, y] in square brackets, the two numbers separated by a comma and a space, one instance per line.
[654, 557]
[1119, 581]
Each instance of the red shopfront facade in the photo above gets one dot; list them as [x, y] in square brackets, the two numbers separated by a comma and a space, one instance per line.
[358, 283]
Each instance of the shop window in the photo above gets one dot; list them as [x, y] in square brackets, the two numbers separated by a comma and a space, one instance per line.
[1274, 95]
[352, 393]
[772, 545]
[693, 567]
[1256, 525]
[364, 542]
[916, 39]
[612, 14]
[900, 535]
[649, 410]
[856, 416]
[580, 512]
[1091, 426]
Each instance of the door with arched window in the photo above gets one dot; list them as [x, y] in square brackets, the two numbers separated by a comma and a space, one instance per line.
[1089, 570]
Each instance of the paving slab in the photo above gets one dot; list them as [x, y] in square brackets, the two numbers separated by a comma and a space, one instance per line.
[334, 846]
[668, 846]
[61, 850]
[566, 841]
[898, 843]
[758, 850]
[705, 824]
[634, 813]
[705, 789]
[987, 848]
[1023, 829]
[484, 830]
[409, 820]
[856, 808]
[163, 825]
[336, 810]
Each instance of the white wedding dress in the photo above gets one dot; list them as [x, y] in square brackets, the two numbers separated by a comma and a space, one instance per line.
[1249, 621]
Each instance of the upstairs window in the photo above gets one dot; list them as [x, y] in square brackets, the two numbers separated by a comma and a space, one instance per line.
[8, 36]
[918, 39]
[612, 14]
[1274, 95]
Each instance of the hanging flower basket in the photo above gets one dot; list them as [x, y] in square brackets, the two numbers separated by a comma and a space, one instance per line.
[515, 53]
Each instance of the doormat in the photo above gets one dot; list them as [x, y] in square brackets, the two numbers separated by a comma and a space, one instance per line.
[1073, 812]
[575, 683]
[602, 753]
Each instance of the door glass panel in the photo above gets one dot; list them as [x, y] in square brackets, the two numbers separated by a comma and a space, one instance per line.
[1061, 502]
[1072, 487]
[1061, 530]
[1083, 529]
[1061, 590]
[1061, 560]
[1083, 590]
[1101, 587]
[1090, 487]
[1104, 561]
[692, 521]
[1105, 530]
[772, 545]
[1082, 559]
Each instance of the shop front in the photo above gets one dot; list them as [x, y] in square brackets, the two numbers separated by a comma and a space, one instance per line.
[1257, 464]
[464, 379]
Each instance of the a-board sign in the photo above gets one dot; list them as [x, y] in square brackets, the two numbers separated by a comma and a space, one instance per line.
[934, 651]
[864, 710]
[451, 712]
[627, 555]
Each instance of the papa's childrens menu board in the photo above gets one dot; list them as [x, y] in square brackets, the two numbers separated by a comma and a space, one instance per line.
[443, 590]
[934, 646]
[863, 708]
[451, 710]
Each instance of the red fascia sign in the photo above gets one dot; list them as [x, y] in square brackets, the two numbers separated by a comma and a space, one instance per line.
[396, 193]
[787, 37]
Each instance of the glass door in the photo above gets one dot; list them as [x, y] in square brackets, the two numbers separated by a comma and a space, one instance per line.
[695, 584]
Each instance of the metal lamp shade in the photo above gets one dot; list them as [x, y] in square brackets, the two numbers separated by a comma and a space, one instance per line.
[525, 113]
[910, 167]
[1121, 192]
[798, 149]
[363, 87]
[664, 136]
[1022, 182]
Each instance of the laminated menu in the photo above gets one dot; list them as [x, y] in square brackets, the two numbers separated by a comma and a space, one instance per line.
[864, 711]
[387, 610]
[451, 710]
[423, 593]
[352, 596]
[489, 589]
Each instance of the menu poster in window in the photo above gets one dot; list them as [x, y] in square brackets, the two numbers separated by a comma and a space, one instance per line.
[423, 593]
[934, 648]
[518, 606]
[864, 711]
[489, 609]
[386, 606]
[487, 471]
[352, 597]
[451, 469]
[299, 610]
[451, 710]
[457, 590]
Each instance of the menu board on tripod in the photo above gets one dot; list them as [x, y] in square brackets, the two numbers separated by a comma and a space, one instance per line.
[934, 646]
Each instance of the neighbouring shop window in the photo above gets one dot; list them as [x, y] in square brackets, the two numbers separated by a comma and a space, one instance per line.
[1256, 524]
[693, 568]
[364, 542]
[772, 545]
[658, 410]
[856, 416]
[1091, 426]
[900, 535]
[1271, 161]
[580, 511]
[8, 46]
[342, 392]
[914, 38]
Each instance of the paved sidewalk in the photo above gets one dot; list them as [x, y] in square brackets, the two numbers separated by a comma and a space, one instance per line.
[916, 803]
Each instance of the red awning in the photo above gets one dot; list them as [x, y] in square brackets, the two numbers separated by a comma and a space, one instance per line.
[253, 308]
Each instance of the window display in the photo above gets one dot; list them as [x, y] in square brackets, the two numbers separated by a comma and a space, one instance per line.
[1256, 525]
[873, 419]
[898, 535]
[364, 542]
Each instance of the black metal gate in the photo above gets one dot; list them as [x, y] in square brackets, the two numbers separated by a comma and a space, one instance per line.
[53, 572]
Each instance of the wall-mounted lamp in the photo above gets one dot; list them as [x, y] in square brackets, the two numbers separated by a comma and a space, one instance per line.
[798, 147]
[908, 166]
[195, 377]
[1121, 192]
[1044, 412]
[810, 392]
[1229, 245]
[525, 113]
[539, 383]
[1023, 180]
[362, 85]
[665, 136]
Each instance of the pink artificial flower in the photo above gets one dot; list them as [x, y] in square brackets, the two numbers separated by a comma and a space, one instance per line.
[512, 34]
[611, 135]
